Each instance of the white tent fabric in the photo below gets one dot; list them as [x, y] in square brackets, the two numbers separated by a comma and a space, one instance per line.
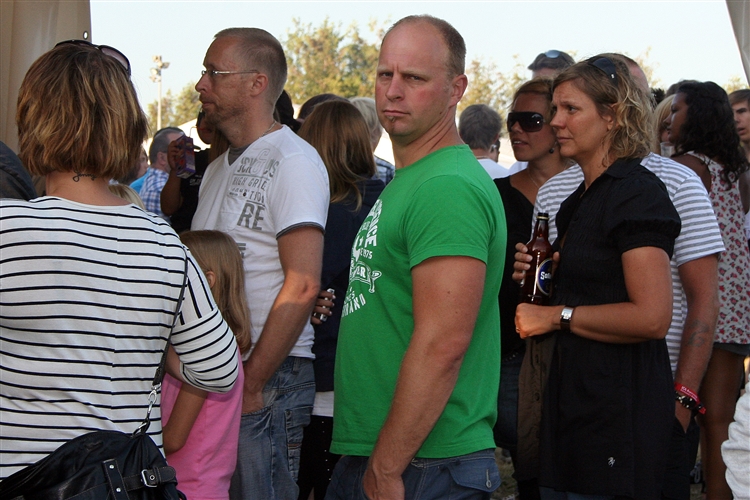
[28, 30]
[739, 13]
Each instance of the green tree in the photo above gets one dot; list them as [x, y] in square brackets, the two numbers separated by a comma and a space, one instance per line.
[735, 83]
[488, 85]
[325, 59]
[648, 67]
[175, 109]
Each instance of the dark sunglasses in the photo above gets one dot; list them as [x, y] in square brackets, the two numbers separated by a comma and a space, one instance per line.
[106, 49]
[606, 66]
[528, 120]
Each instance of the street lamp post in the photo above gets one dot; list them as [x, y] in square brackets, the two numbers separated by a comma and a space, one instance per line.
[156, 77]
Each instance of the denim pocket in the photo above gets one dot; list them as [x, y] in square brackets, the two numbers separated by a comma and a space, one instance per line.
[475, 473]
[296, 419]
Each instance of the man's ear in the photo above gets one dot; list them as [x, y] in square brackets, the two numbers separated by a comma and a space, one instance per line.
[211, 278]
[458, 87]
[162, 158]
[260, 83]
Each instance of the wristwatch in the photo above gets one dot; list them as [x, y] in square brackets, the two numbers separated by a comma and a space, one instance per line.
[565, 316]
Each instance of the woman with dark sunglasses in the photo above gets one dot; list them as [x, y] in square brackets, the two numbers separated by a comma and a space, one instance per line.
[608, 407]
[533, 141]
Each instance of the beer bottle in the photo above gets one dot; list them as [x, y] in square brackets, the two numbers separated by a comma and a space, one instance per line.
[535, 288]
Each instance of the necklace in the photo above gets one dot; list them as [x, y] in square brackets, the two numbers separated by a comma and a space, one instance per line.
[531, 178]
[273, 124]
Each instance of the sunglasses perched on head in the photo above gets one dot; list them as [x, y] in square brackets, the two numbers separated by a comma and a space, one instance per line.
[606, 66]
[528, 120]
[106, 49]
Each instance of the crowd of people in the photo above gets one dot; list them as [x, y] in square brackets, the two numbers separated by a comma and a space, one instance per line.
[353, 328]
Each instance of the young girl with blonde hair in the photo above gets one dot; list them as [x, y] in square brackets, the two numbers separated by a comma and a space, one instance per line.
[201, 430]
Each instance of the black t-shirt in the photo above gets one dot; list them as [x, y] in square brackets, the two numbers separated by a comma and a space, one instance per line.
[608, 408]
[518, 216]
[183, 217]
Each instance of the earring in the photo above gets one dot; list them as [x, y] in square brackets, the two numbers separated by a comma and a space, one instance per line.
[551, 150]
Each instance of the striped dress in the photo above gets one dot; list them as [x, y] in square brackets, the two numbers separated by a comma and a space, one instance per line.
[87, 298]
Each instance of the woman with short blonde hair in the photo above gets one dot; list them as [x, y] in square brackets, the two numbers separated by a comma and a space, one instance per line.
[93, 283]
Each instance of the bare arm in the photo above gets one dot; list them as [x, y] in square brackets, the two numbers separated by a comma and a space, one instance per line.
[745, 190]
[447, 293]
[171, 199]
[186, 409]
[700, 281]
[301, 256]
[696, 166]
[646, 316]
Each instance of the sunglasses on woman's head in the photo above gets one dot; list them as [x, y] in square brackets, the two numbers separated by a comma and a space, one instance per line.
[606, 66]
[528, 120]
[106, 49]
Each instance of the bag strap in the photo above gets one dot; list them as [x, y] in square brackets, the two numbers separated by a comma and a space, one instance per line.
[159, 375]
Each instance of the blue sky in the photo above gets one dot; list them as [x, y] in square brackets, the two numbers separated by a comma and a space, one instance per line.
[686, 39]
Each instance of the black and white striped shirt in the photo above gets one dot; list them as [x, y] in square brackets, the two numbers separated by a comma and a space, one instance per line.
[87, 299]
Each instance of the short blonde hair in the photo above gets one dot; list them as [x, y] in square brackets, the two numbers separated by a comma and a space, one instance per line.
[217, 252]
[127, 193]
[662, 111]
[78, 112]
[625, 100]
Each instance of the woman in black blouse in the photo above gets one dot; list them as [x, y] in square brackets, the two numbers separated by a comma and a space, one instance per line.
[608, 406]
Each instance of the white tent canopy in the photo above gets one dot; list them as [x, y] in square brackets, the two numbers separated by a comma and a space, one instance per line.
[739, 13]
[28, 30]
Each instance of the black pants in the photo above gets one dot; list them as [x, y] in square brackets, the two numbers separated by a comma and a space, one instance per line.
[683, 449]
[316, 461]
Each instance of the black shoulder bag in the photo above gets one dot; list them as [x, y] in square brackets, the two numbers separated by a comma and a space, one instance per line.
[103, 464]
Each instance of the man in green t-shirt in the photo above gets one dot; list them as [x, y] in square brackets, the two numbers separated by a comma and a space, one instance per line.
[417, 362]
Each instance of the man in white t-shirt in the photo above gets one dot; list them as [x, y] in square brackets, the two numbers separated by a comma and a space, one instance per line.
[270, 192]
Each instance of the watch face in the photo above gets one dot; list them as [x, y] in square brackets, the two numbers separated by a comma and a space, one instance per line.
[566, 314]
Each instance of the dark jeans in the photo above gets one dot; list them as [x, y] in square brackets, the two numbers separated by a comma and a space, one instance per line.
[471, 477]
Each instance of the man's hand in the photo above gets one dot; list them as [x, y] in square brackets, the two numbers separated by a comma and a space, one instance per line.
[173, 154]
[382, 486]
[251, 401]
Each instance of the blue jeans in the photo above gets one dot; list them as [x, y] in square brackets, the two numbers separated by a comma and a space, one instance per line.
[270, 438]
[473, 476]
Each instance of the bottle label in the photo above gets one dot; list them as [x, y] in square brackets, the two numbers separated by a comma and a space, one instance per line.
[544, 277]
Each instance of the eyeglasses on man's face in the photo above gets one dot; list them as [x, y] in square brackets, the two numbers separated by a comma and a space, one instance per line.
[213, 73]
